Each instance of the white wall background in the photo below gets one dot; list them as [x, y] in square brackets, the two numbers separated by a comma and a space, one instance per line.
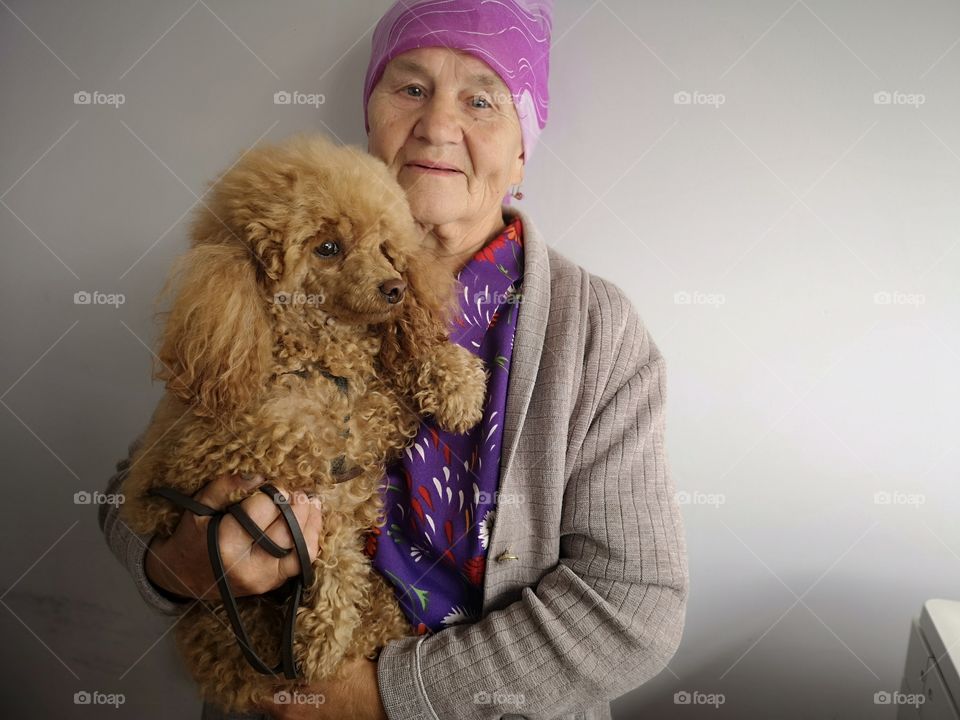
[796, 393]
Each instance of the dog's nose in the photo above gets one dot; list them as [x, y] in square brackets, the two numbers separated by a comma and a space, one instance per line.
[393, 290]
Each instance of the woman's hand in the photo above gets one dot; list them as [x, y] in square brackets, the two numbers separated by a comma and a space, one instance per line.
[180, 565]
[356, 695]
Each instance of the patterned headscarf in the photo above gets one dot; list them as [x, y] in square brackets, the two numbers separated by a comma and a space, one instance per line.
[511, 36]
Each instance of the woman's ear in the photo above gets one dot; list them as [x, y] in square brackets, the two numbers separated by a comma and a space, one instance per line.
[216, 344]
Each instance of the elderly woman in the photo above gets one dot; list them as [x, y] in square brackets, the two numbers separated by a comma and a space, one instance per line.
[556, 579]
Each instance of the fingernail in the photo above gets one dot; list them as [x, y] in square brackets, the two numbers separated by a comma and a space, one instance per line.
[251, 478]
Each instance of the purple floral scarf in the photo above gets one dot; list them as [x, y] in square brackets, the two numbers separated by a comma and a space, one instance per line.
[440, 496]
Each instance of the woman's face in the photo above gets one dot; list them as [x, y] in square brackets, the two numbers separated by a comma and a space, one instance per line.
[445, 107]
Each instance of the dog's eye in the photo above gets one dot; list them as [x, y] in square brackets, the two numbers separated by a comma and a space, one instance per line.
[328, 248]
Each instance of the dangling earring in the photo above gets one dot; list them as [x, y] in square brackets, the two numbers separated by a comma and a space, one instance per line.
[515, 192]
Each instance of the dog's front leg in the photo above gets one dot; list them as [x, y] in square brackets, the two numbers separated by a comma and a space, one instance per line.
[450, 384]
[329, 619]
[382, 618]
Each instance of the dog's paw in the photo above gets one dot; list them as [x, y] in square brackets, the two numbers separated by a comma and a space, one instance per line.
[454, 388]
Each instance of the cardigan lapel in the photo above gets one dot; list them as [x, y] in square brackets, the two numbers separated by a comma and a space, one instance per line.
[528, 337]
[524, 366]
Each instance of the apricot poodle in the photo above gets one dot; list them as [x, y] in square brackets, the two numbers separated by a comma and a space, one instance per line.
[307, 339]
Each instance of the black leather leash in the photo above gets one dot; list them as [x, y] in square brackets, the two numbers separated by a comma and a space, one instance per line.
[288, 664]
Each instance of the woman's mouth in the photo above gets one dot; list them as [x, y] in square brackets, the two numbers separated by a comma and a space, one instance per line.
[432, 170]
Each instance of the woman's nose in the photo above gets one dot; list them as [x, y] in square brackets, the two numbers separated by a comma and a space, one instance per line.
[393, 290]
[438, 122]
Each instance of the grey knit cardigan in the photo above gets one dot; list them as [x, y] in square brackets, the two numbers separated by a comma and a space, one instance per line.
[584, 597]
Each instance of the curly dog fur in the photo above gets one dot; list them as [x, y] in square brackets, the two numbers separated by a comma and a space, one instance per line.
[283, 355]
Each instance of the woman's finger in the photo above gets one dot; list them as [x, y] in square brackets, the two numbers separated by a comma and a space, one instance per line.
[218, 493]
[236, 549]
[263, 512]
[250, 568]
[313, 528]
[301, 506]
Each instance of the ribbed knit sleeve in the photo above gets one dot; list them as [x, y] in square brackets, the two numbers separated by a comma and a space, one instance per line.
[129, 547]
[610, 615]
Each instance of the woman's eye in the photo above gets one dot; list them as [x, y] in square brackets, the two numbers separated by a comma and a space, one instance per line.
[484, 100]
[327, 249]
[413, 87]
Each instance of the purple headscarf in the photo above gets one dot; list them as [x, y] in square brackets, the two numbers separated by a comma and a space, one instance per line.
[511, 36]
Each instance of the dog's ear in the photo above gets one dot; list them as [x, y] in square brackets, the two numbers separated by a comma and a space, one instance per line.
[215, 347]
[267, 245]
